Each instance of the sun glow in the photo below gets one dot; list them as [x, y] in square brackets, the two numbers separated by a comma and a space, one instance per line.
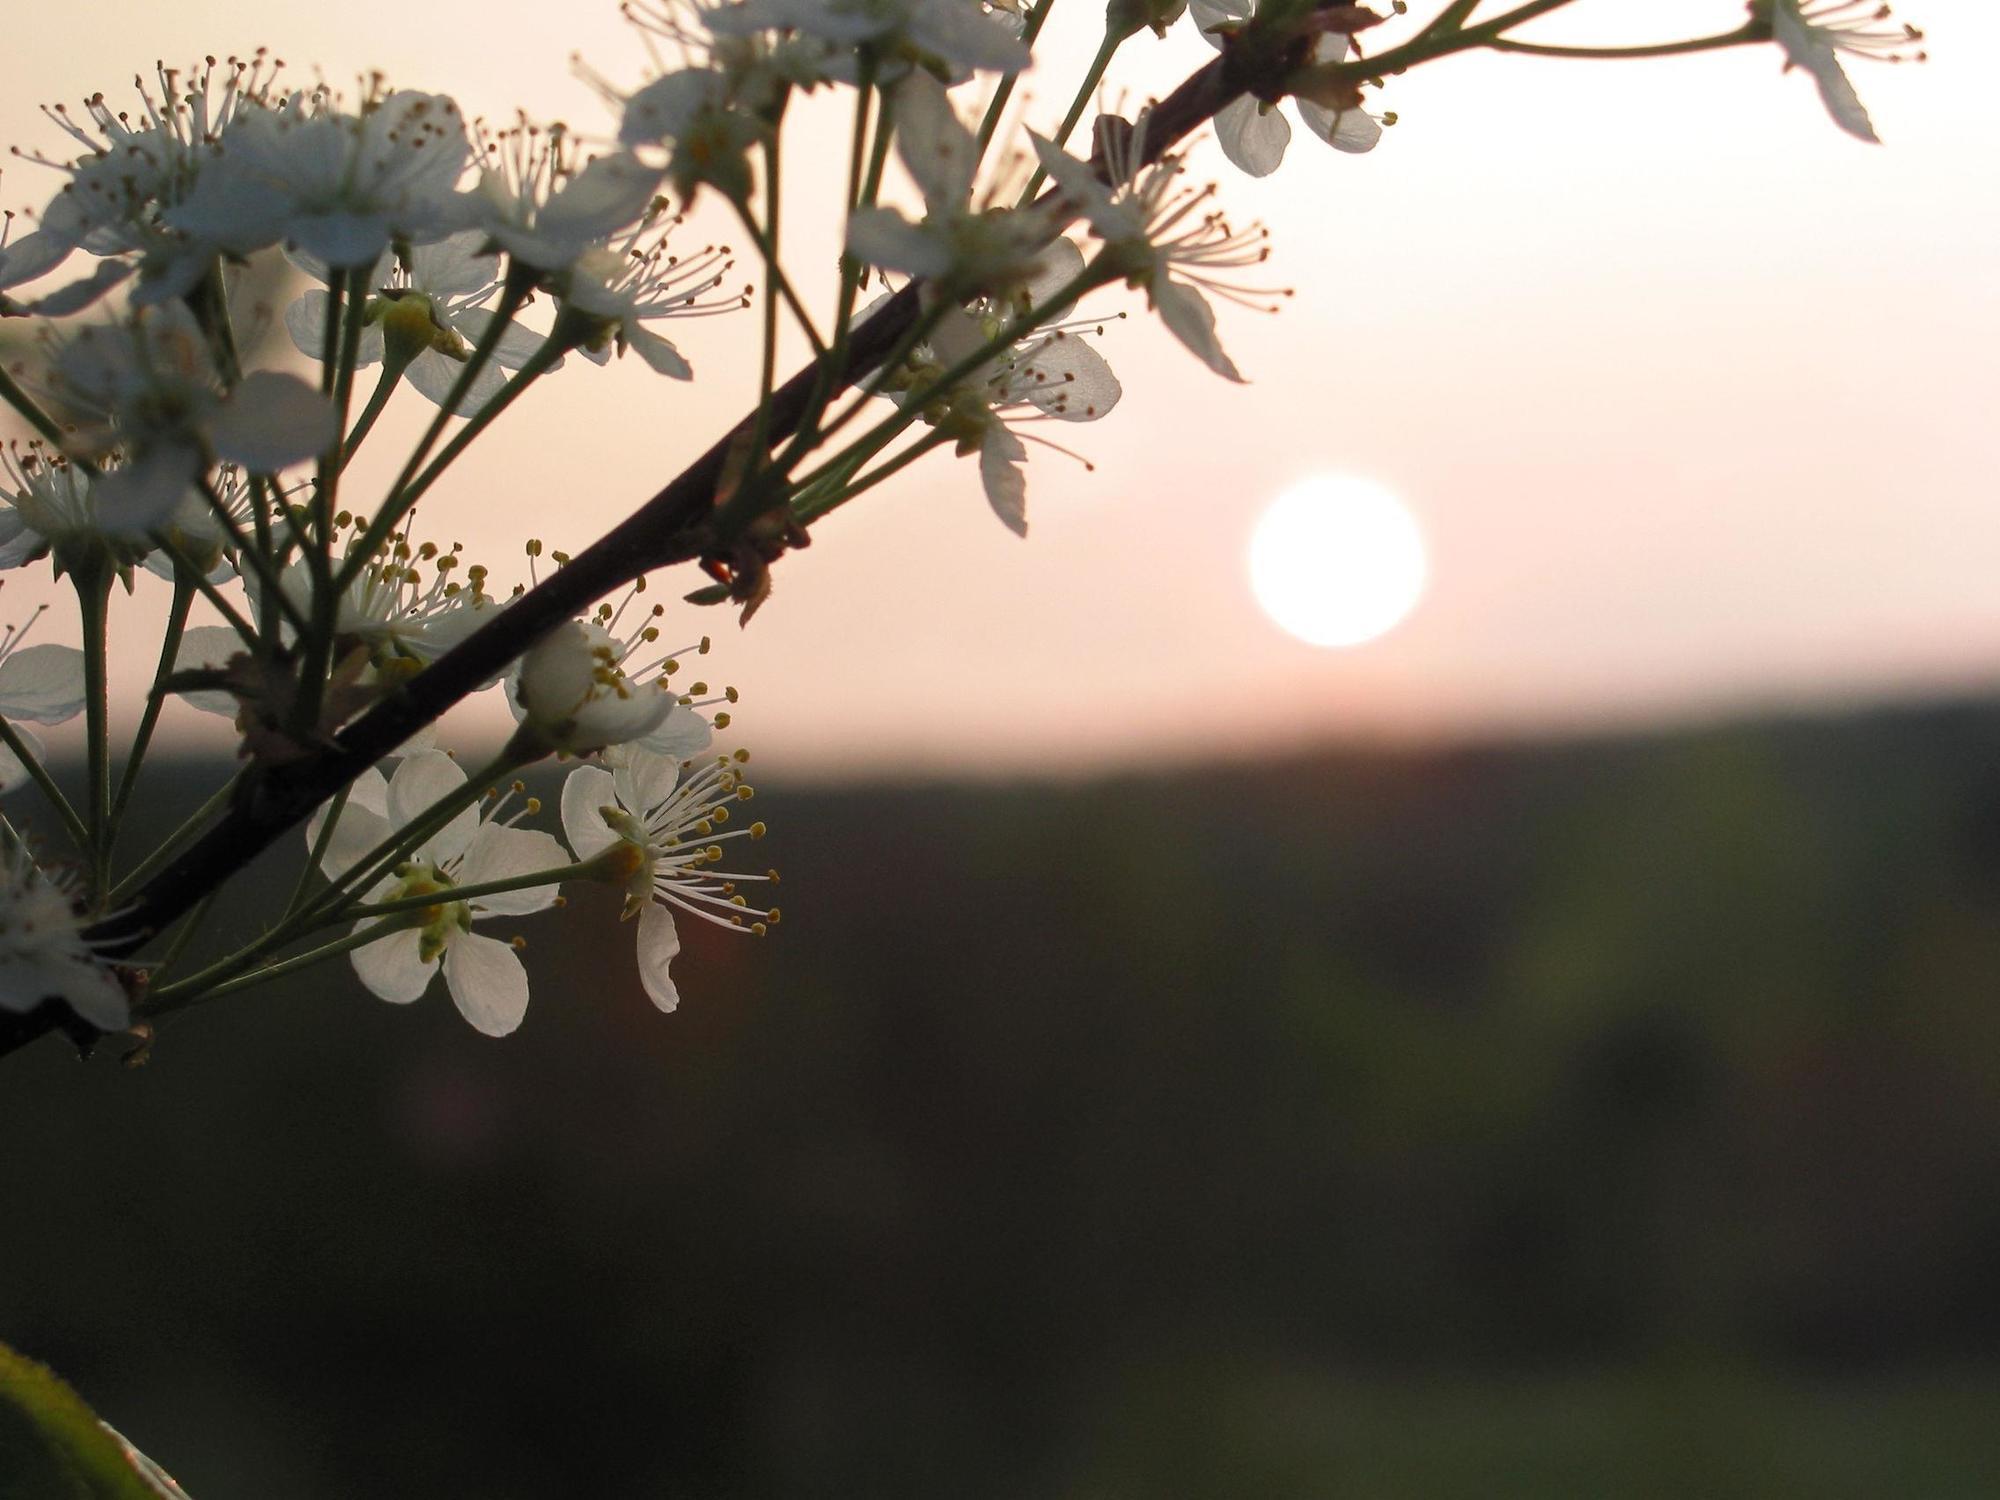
[1337, 561]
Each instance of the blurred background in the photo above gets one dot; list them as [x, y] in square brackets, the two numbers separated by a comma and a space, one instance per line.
[1548, 1049]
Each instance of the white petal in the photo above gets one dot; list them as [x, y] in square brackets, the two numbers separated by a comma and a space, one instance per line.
[682, 734]
[1253, 135]
[33, 255]
[363, 826]
[587, 789]
[42, 683]
[1001, 455]
[498, 852]
[141, 496]
[1076, 382]
[1190, 319]
[487, 983]
[433, 375]
[658, 943]
[608, 194]
[14, 774]
[883, 237]
[1208, 15]
[421, 782]
[934, 144]
[209, 646]
[1352, 130]
[272, 420]
[644, 777]
[662, 356]
[456, 266]
[517, 345]
[964, 35]
[392, 967]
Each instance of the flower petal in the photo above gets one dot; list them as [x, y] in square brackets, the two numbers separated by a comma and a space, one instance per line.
[658, 943]
[1253, 135]
[498, 852]
[42, 683]
[1190, 319]
[272, 420]
[588, 789]
[420, 783]
[487, 983]
[393, 968]
[1001, 455]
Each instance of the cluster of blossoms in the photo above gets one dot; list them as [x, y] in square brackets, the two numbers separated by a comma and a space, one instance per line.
[468, 262]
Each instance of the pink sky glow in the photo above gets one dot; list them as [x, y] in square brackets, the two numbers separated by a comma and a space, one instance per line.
[1691, 393]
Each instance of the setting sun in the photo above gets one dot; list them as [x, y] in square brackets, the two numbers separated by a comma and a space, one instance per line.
[1337, 561]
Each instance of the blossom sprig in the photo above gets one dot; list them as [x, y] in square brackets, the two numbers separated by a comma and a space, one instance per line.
[444, 249]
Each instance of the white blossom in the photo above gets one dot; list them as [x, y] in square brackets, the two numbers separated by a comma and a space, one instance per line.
[483, 974]
[659, 835]
[338, 186]
[49, 505]
[1813, 34]
[583, 687]
[1051, 375]
[626, 285]
[43, 953]
[135, 168]
[1252, 132]
[966, 247]
[437, 299]
[1163, 238]
[150, 387]
[546, 207]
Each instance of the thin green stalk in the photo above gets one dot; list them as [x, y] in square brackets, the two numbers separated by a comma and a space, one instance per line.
[171, 844]
[1736, 38]
[377, 862]
[93, 594]
[258, 559]
[469, 892]
[317, 853]
[1093, 76]
[190, 925]
[991, 120]
[813, 509]
[378, 402]
[192, 991]
[513, 292]
[30, 410]
[38, 773]
[170, 645]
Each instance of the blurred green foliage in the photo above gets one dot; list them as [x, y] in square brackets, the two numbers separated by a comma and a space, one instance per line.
[1610, 1118]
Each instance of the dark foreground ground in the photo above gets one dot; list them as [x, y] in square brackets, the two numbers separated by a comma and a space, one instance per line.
[1610, 1119]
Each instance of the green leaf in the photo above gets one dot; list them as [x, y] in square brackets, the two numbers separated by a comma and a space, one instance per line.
[53, 1447]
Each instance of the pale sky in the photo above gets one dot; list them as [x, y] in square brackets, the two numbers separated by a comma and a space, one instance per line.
[1690, 392]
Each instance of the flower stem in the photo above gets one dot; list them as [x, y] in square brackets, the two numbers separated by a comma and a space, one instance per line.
[191, 991]
[1094, 75]
[170, 645]
[553, 876]
[167, 847]
[30, 410]
[38, 773]
[93, 593]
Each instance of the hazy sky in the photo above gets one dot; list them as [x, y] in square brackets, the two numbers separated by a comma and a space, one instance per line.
[1691, 392]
